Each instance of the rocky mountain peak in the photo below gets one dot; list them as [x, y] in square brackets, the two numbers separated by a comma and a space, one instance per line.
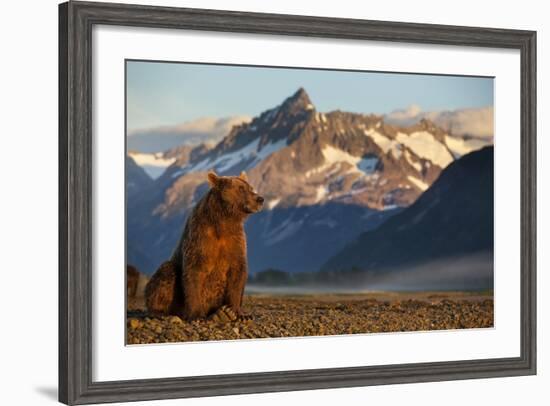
[249, 143]
[298, 103]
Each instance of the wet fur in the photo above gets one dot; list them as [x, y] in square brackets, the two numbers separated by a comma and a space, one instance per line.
[208, 269]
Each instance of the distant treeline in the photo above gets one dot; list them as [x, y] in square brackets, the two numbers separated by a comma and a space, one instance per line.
[277, 277]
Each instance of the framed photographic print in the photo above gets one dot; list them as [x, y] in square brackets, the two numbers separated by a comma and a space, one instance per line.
[259, 202]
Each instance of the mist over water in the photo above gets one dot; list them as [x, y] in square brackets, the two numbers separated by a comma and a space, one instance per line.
[470, 272]
[464, 273]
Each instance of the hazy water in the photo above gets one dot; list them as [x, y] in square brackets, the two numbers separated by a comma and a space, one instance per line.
[472, 272]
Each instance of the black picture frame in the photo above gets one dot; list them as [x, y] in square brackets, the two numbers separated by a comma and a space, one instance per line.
[76, 20]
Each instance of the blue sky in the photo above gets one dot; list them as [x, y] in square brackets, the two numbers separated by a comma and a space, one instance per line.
[160, 93]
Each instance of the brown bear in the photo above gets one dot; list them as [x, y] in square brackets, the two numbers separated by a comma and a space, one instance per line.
[207, 272]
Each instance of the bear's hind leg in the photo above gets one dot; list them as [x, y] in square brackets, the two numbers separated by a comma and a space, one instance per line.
[160, 292]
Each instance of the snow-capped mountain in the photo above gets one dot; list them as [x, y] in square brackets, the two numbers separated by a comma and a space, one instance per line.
[300, 159]
[297, 156]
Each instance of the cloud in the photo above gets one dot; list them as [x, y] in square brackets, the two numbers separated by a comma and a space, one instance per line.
[207, 125]
[201, 130]
[476, 122]
[410, 113]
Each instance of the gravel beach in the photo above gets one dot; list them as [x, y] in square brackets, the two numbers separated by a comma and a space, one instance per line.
[318, 315]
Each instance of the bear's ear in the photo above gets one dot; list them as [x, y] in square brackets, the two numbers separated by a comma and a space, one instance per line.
[243, 176]
[213, 179]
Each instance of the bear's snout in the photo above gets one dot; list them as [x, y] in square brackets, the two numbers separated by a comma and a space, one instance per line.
[260, 199]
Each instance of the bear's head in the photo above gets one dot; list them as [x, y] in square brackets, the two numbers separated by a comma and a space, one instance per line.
[236, 193]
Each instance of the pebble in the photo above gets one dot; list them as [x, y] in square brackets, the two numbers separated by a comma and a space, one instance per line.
[135, 324]
[175, 320]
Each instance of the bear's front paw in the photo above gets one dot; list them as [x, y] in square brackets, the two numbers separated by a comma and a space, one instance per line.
[224, 314]
[245, 317]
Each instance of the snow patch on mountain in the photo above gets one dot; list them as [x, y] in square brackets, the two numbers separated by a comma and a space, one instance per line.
[247, 153]
[267, 150]
[381, 140]
[272, 203]
[423, 144]
[415, 165]
[462, 146]
[153, 164]
[418, 183]
[386, 144]
[320, 193]
[335, 157]
[227, 161]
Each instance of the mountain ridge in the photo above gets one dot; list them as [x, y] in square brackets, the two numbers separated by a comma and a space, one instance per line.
[300, 160]
[451, 220]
